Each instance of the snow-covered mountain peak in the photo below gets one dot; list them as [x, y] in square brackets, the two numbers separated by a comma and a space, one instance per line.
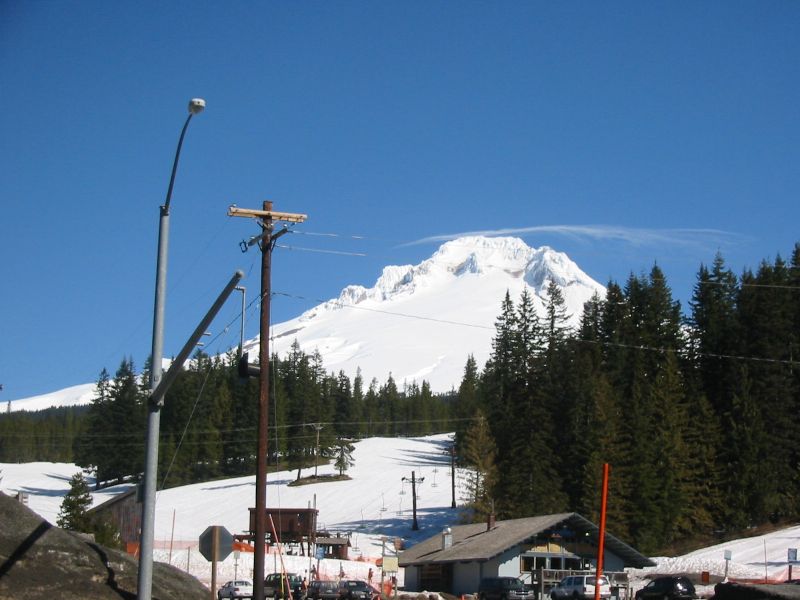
[475, 254]
[466, 256]
[548, 265]
[422, 321]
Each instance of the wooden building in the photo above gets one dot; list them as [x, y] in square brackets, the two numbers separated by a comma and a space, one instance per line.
[539, 550]
[292, 525]
[334, 547]
[125, 513]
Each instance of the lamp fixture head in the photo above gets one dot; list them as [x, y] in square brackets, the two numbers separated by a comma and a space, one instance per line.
[196, 105]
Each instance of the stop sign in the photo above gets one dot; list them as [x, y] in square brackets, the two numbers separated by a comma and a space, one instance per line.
[223, 545]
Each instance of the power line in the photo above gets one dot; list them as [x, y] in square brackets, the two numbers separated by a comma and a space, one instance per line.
[320, 251]
[341, 304]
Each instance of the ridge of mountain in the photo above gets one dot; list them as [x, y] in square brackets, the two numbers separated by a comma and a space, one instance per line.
[423, 321]
[473, 255]
[417, 322]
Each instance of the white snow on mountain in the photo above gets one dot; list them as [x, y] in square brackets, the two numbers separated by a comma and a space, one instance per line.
[418, 322]
[72, 396]
[421, 322]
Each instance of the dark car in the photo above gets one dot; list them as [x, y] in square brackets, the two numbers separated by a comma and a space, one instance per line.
[354, 589]
[323, 590]
[667, 588]
[275, 586]
[503, 588]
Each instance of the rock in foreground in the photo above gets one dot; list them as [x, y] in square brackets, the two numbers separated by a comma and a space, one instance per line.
[39, 561]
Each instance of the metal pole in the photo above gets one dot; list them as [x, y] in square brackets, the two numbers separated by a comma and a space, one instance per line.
[414, 526]
[453, 475]
[214, 553]
[157, 395]
[263, 408]
[241, 330]
[383, 559]
[145, 576]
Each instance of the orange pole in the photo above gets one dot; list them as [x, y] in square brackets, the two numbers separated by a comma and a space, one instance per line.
[602, 542]
[284, 576]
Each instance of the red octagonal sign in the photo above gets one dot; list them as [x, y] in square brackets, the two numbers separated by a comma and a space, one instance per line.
[216, 539]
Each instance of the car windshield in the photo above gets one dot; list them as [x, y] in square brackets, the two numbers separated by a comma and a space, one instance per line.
[592, 580]
[516, 584]
[684, 585]
[355, 585]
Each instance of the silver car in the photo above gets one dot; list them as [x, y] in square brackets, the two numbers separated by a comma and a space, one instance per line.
[240, 588]
[580, 587]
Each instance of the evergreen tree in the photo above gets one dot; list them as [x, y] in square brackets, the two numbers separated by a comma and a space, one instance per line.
[126, 456]
[99, 439]
[77, 501]
[344, 455]
[467, 400]
[557, 319]
[714, 333]
[766, 319]
[478, 453]
[345, 411]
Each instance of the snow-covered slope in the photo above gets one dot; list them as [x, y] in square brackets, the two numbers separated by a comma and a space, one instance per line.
[375, 502]
[418, 322]
[421, 322]
[72, 396]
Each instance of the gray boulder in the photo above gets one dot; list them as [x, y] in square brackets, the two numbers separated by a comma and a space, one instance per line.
[40, 561]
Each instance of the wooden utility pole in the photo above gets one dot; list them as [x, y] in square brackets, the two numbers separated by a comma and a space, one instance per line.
[266, 241]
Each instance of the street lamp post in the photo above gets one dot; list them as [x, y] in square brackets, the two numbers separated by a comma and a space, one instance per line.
[145, 580]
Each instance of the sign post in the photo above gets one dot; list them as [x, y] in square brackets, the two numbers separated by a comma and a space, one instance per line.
[215, 544]
[728, 557]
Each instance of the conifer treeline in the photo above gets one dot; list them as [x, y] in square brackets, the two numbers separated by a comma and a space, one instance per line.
[209, 421]
[695, 413]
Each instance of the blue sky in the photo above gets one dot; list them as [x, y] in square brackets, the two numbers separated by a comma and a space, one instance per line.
[624, 134]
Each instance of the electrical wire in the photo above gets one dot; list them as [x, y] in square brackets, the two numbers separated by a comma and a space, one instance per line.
[186, 428]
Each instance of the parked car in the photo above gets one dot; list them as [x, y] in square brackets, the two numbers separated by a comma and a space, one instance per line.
[354, 589]
[323, 590]
[667, 588]
[504, 588]
[236, 589]
[275, 586]
[580, 586]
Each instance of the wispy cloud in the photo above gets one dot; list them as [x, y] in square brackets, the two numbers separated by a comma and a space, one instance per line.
[629, 235]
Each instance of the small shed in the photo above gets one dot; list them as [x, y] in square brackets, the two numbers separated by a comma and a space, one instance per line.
[125, 513]
[334, 547]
